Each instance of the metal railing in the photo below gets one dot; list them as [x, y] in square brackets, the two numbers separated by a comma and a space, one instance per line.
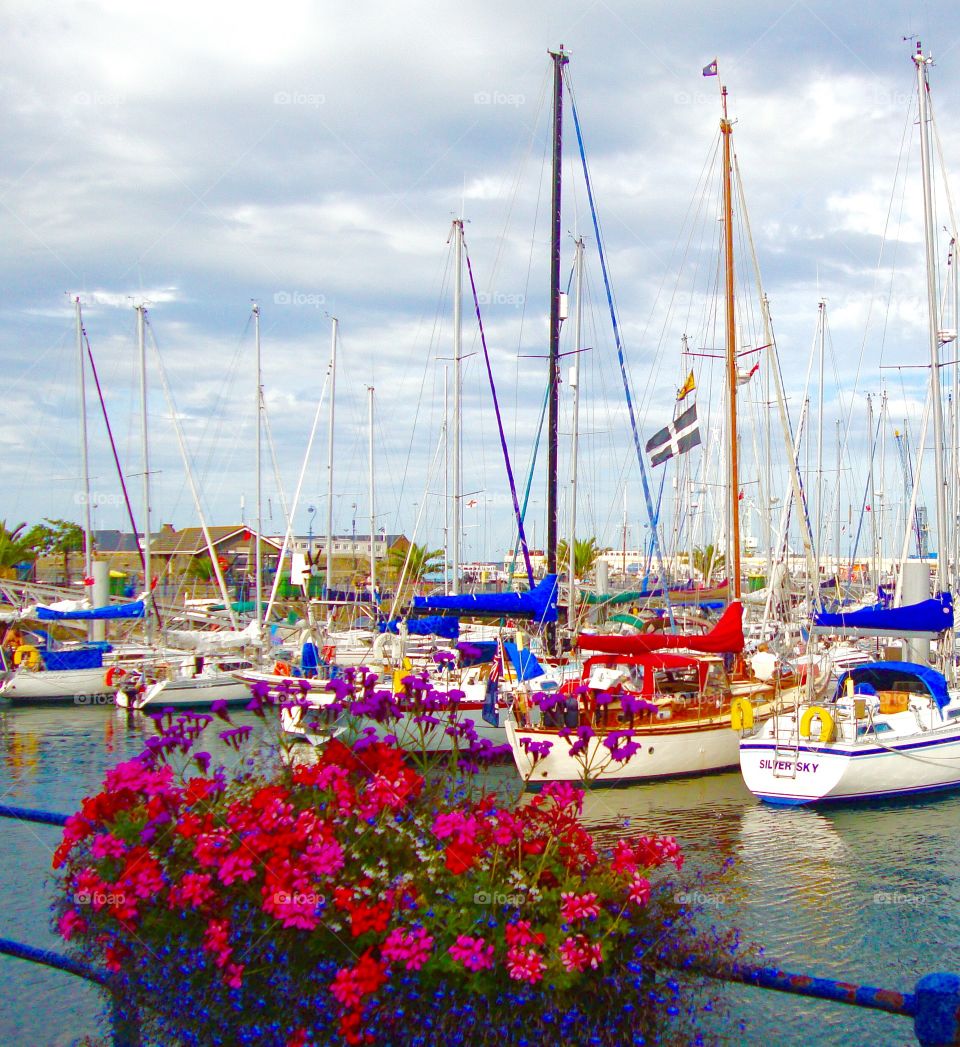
[934, 1003]
[124, 1027]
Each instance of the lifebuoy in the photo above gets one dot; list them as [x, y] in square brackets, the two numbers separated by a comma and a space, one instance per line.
[114, 675]
[28, 654]
[282, 669]
[827, 725]
[741, 714]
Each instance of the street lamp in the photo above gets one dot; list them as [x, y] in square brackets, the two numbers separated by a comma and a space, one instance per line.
[312, 512]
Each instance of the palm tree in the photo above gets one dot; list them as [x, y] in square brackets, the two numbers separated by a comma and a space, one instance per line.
[15, 548]
[709, 562]
[586, 552]
[414, 563]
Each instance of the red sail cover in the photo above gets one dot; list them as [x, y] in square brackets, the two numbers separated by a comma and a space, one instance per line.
[726, 637]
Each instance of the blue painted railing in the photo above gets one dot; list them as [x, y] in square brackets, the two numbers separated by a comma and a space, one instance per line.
[934, 1004]
[125, 1029]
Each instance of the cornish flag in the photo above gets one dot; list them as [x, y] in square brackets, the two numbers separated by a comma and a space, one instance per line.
[679, 436]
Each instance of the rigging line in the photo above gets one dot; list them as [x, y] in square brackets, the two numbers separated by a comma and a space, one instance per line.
[496, 407]
[866, 494]
[175, 418]
[274, 460]
[620, 356]
[529, 484]
[116, 461]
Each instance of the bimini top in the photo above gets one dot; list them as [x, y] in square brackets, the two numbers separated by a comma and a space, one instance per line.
[916, 620]
[726, 637]
[906, 677]
[539, 603]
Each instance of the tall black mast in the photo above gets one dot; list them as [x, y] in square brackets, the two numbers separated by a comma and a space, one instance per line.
[560, 59]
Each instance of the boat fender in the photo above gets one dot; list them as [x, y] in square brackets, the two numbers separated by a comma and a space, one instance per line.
[114, 675]
[27, 654]
[827, 725]
[741, 714]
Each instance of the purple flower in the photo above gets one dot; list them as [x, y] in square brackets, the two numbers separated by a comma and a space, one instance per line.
[202, 761]
[219, 708]
[535, 749]
[621, 753]
[584, 734]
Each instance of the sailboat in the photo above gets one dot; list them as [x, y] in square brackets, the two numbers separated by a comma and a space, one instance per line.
[891, 728]
[659, 705]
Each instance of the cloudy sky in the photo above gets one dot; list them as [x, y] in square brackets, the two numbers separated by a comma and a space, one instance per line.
[311, 157]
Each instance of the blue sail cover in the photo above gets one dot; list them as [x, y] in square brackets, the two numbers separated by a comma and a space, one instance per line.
[539, 603]
[124, 610]
[524, 662]
[924, 619]
[448, 628]
[906, 677]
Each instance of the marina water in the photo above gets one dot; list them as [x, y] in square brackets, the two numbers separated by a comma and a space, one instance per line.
[865, 894]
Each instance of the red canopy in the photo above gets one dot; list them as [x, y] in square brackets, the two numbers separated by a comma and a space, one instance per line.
[726, 637]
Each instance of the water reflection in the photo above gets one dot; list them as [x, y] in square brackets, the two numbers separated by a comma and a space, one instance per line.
[867, 894]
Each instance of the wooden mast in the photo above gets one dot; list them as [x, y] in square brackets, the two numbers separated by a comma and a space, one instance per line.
[560, 59]
[726, 129]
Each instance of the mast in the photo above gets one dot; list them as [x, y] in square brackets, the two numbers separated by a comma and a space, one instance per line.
[328, 579]
[560, 59]
[373, 514]
[923, 88]
[733, 475]
[574, 440]
[446, 483]
[84, 450]
[258, 558]
[818, 511]
[145, 454]
[457, 399]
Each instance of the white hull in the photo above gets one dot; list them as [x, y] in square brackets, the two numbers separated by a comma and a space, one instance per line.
[664, 753]
[81, 686]
[188, 693]
[909, 761]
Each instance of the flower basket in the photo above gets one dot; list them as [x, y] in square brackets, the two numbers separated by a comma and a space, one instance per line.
[357, 898]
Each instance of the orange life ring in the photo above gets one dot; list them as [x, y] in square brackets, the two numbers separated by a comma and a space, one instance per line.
[281, 669]
[328, 652]
[114, 675]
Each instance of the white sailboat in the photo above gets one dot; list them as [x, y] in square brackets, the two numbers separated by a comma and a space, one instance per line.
[892, 728]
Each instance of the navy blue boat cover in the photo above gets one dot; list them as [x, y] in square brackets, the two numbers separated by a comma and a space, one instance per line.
[118, 610]
[898, 676]
[915, 620]
[539, 603]
[448, 628]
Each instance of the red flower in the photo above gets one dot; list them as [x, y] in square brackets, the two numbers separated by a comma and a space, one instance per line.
[459, 858]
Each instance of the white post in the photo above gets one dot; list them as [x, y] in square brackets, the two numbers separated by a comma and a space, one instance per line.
[575, 384]
[145, 455]
[373, 514]
[457, 398]
[333, 387]
[258, 559]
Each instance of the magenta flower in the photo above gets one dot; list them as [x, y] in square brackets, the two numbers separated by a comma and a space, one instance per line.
[574, 907]
[639, 890]
[412, 948]
[525, 966]
[474, 953]
[71, 923]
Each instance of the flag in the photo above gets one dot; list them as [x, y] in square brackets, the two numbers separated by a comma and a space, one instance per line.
[744, 376]
[711, 69]
[687, 388]
[679, 436]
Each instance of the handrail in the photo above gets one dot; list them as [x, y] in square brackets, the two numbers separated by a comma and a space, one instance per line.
[125, 1028]
[934, 1004]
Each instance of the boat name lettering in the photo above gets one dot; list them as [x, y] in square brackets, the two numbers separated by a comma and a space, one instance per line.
[806, 766]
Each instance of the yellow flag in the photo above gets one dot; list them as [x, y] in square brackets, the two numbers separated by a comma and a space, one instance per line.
[688, 386]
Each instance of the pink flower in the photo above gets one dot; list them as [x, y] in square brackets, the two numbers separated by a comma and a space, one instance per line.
[193, 890]
[474, 953]
[639, 890]
[233, 975]
[519, 933]
[216, 941]
[236, 866]
[322, 858]
[107, 846]
[411, 949]
[71, 923]
[525, 966]
[578, 953]
[575, 907]
[564, 795]
[624, 860]
[461, 827]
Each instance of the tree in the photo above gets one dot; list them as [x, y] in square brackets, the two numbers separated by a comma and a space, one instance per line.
[59, 537]
[15, 549]
[709, 562]
[415, 563]
[586, 552]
